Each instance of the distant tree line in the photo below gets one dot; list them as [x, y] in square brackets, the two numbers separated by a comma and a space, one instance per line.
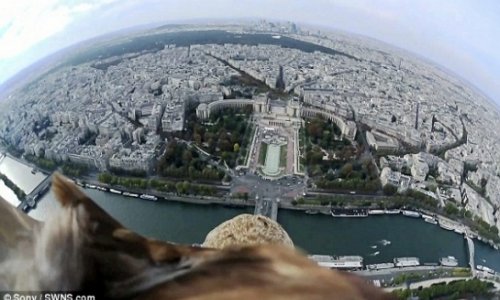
[393, 202]
[68, 168]
[11, 185]
[466, 289]
[128, 182]
[42, 163]
[181, 187]
[75, 170]
[351, 184]
[133, 173]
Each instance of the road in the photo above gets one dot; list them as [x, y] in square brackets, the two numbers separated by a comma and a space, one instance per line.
[287, 188]
[426, 283]
[388, 275]
[357, 194]
[267, 207]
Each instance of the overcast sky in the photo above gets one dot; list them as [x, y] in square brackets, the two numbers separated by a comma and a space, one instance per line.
[462, 35]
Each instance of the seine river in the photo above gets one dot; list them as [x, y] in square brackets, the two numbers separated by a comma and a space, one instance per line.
[318, 234]
[157, 41]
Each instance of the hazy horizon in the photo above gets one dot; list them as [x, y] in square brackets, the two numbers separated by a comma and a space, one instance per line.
[458, 35]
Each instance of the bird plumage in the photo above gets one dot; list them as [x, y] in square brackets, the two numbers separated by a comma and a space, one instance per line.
[84, 249]
[246, 229]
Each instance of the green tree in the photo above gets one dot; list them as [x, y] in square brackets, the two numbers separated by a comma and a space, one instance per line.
[186, 186]
[314, 130]
[179, 188]
[346, 170]
[236, 147]
[187, 156]
[197, 138]
[389, 189]
[105, 178]
[451, 209]
[225, 156]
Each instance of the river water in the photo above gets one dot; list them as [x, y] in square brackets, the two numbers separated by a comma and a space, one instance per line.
[20, 174]
[8, 194]
[157, 41]
[317, 234]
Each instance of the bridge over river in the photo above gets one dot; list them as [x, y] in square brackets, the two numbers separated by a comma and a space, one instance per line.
[470, 248]
[31, 199]
[267, 207]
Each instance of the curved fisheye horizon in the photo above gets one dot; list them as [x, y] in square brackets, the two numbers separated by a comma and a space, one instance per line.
[457, 35]
[158, 149]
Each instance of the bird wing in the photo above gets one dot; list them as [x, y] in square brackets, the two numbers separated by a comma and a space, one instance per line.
[86, 250]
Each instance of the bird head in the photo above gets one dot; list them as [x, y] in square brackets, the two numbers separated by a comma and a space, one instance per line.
[82, 248]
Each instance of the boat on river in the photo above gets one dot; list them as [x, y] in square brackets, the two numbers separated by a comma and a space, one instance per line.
[349, 212]
[449, 261]
[115, 191]
[429, 219]
[148, 197]
[410, 213]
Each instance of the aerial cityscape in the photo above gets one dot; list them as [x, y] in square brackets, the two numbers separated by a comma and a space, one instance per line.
[271, 116]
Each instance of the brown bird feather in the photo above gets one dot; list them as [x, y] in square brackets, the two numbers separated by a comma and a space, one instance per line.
[84, 249]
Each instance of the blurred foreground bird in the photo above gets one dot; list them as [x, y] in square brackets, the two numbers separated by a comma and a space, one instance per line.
[82, 248]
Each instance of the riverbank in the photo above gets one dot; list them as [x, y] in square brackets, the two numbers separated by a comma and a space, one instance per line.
[23, 174]
[214, 194]
[319, 234]
[188, 223]
[225, 200]
[164, 196]
[425, 215]
[21, 182]
[13, 187]
[451, 225]
[238, 202]
[448, 288]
